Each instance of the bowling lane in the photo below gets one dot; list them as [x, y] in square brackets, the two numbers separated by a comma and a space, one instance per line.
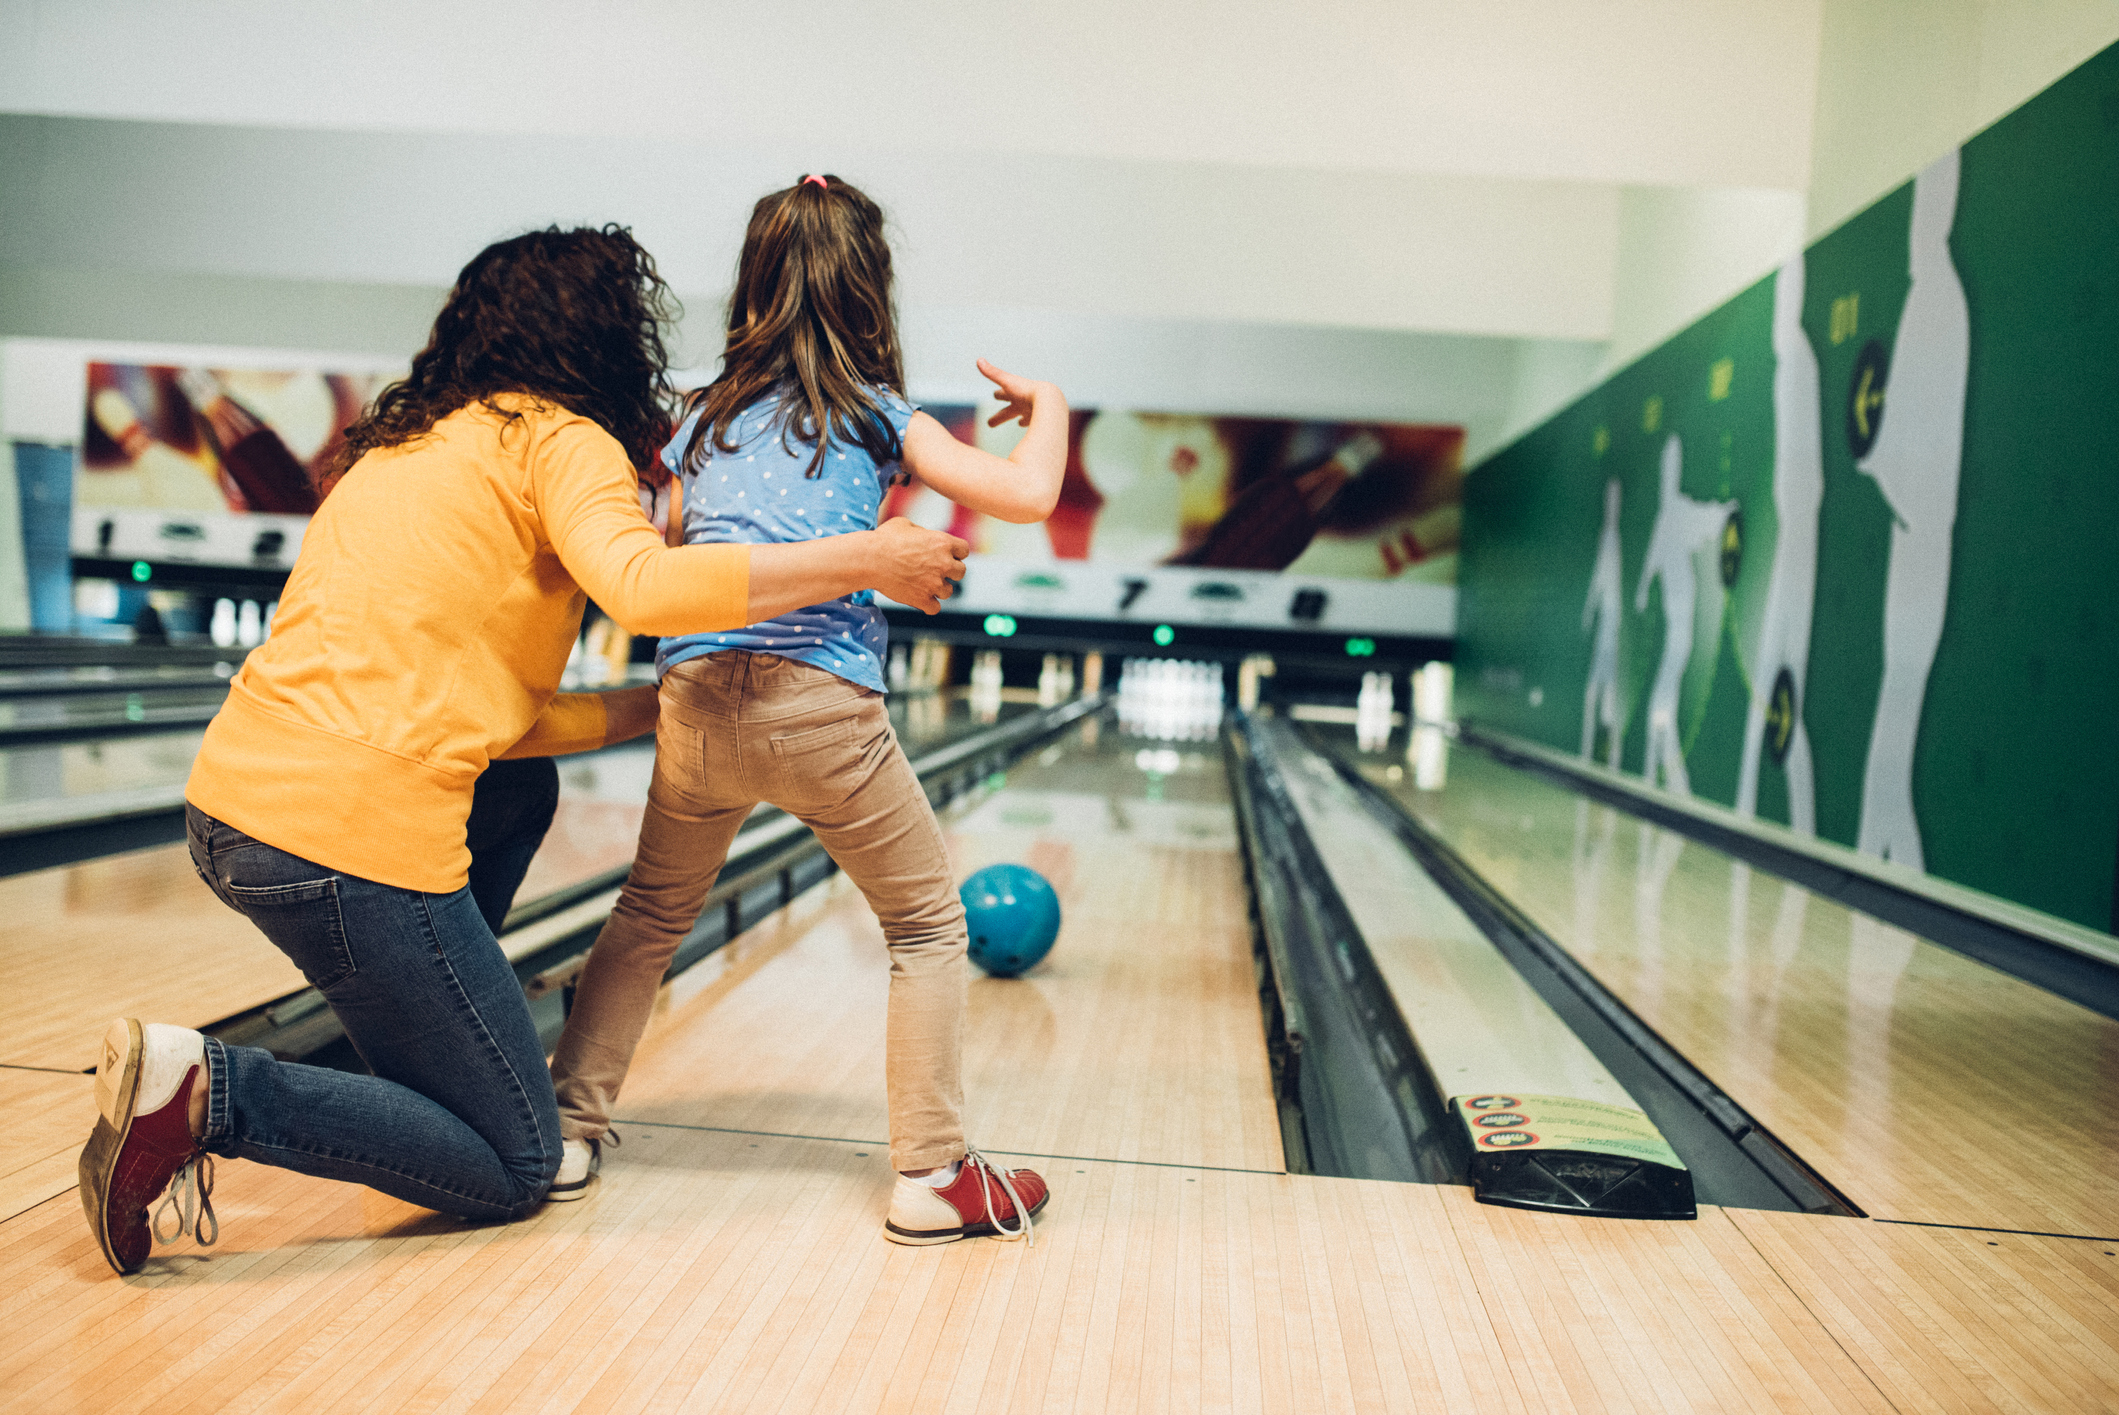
[1138, 1038]
[602, 795]
[60, 717]
[1928, 1087]
[47, 786]
[45, 1115]
[740, 1267]
[137, 933]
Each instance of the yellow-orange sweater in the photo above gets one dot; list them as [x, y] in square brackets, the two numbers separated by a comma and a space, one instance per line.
[423, 631]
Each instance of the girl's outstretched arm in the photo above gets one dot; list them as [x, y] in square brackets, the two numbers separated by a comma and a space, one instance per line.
[1022, 487]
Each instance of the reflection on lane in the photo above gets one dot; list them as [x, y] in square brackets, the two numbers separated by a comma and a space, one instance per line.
[1933, 1087]
[48, 784]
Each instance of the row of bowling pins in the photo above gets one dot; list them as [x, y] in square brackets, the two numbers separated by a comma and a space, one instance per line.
[919, 667]
[1427, 745]
[1375, 712]
[986, 679]
[241, 627]
[600, 656]
[1171, 699]
[1375, 708]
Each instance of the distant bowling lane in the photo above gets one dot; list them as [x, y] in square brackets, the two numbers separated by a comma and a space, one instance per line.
[1928, 1087]
[1138, 1037]
[54, 784]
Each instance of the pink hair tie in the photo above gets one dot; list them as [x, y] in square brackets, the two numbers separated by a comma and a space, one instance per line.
[818, 180]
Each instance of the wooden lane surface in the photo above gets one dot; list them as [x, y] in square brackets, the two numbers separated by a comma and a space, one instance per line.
[139, 935]
[1928, 1087]
[1138, 1038]
[126, 935]
[721, 1270]
[1945, 1319]
[717, 1272]
[45, 1117]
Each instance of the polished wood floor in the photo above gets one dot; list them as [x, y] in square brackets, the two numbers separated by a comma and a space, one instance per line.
[732, 1260]
[1928, 1087]
[45, 1115]
[724, 1272]
[125, 935]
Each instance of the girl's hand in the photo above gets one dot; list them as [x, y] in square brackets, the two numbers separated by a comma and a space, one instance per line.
[1021, 487]
[1018, 395]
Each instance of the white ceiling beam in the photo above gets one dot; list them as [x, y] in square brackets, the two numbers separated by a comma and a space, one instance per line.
[1703, 92]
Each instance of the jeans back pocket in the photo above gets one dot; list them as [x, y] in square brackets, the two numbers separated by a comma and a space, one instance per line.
[303, 919]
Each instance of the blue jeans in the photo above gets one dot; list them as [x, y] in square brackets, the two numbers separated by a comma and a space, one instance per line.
[459, 1115]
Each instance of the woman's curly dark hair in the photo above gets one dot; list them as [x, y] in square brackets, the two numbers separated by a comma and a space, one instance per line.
[573, 318]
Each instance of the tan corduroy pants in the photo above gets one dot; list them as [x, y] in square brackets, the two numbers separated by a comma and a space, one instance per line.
[739, 728]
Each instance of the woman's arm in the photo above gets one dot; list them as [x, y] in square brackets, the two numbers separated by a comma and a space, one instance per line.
[582, 722]
[1022, 487]
[904, 562]
[585, 494]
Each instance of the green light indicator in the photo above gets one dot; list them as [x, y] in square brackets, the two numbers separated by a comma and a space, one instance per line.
[1164, 636]
[1360, 648]
[141, 571]
[1001, 626]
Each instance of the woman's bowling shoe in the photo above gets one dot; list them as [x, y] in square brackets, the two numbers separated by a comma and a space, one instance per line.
[143, 1143]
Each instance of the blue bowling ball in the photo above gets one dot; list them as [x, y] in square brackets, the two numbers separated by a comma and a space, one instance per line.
[1013, 915]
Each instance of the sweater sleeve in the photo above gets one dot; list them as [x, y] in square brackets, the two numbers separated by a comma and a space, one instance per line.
[582, 722]
[584, 491]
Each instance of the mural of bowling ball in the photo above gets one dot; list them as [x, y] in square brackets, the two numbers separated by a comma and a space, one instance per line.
[1013, 916]
[1780, 716]
[1865, 398]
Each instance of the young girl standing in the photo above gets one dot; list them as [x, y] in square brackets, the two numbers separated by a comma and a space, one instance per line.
[796, 441]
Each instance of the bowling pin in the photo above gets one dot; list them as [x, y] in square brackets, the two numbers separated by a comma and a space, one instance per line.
[249, 625]
[222, 629]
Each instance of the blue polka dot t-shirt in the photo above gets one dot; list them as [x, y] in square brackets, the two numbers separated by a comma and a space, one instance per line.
[760, 494]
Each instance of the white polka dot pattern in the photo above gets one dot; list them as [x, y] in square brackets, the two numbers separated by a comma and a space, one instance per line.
[846, 636]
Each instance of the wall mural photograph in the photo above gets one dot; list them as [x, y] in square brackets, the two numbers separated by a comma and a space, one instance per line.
[213, 440]
[1152, 500]
[1838, 554]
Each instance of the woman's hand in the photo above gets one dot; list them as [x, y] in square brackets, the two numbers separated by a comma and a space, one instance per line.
[908, 563]
[916, 566]
[1018, 395]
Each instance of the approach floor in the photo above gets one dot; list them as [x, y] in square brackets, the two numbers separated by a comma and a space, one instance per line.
[732, 1259]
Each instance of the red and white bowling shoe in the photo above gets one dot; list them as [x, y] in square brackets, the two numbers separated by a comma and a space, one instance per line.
[142, 1142]
[981, 1201]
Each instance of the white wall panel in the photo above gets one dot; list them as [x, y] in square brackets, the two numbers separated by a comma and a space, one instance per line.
[1126, 239]
[1652, 91]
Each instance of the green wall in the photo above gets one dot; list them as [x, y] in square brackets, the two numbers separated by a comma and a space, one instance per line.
[2012, 713]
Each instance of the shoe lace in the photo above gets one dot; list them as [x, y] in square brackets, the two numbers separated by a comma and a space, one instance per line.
[190, 1202]
[989, 1174]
